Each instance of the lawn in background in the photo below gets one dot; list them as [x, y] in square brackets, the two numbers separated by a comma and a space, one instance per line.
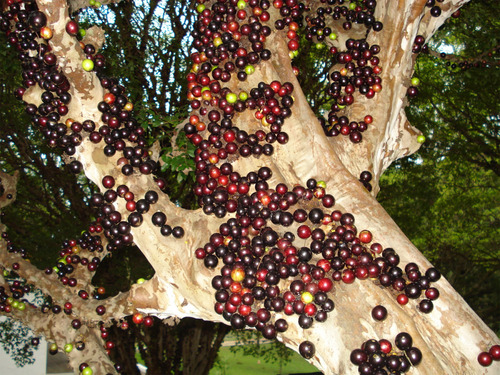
[238, 364]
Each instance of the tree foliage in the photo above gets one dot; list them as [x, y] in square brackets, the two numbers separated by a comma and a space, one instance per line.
[452, 212]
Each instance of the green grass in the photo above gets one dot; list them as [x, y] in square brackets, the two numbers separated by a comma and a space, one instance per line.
[238, 364]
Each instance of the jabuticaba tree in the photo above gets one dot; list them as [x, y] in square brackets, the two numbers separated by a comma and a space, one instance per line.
[287, 241]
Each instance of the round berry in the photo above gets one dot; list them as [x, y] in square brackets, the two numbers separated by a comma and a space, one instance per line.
[379, 313]
[485, 359]
[307, 349]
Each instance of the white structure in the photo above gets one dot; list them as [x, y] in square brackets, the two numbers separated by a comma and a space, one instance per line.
[45, 364]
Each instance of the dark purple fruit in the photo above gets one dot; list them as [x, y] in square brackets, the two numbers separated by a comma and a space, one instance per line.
[404, 341]
[414, 355]
[379, 313]
[307, 349]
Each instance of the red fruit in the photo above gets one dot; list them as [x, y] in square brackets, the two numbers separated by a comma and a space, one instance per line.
[241, 14]
[109, 98]
[306, 278]
[261, 275]
[293, 45]
[402, 299]
[432, 293]
[348, 276]
[243, 188]
[325, 284]
[385, 346]
[361, 272]
[275, 85]
[495, 352]
[310, 309]
[200, 253]
[324, 264]
[138, 318]
[365, 236]
[83, 294]
[230, 308]
[278, 4]
[130, 206]
[235, 287]
[229, 136]
[200, 126]
[129, 196]
[484, 359]
[148, 321]
[72, 28]
[304, 231]
[193, 119]
[232, 189]
[110, 345]
[244, 310]
[214, 172]
[213, 158]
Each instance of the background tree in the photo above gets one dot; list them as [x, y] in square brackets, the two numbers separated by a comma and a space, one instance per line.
[454, 176]
[179, 285]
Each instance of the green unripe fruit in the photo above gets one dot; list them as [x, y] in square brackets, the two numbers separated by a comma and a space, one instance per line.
[68, 348]
[241, 4]
[243, 95]
[332, 36]
[421, 139]
[87, 65]
[321, 184]
[21, 306]
[231, 98]
[141, 280]
[200, 8]
[217, 42]
[87, 371]
[249, 69]
[415, 81]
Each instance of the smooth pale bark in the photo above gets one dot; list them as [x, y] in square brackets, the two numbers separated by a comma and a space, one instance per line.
[450, 337]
